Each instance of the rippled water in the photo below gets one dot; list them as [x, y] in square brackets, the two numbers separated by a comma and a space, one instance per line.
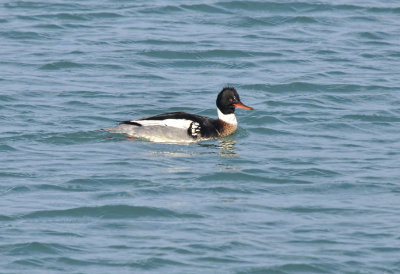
[309, 183]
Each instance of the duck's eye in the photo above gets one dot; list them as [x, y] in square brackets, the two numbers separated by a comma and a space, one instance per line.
[230, 99]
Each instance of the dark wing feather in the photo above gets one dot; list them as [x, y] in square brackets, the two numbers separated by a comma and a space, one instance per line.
[174, 115]
[130, 123]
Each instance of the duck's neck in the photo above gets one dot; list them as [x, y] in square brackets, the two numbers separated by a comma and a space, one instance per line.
[227, 118]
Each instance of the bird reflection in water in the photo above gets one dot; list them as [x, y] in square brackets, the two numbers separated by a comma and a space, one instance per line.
[227, 148]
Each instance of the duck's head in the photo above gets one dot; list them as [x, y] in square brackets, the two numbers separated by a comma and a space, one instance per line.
[228, 99]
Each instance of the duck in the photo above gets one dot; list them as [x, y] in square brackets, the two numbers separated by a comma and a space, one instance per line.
[185, 127]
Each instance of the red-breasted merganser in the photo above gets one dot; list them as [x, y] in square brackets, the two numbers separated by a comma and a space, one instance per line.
[185, 127]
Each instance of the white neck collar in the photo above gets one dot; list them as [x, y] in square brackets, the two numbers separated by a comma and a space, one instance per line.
[228, 118]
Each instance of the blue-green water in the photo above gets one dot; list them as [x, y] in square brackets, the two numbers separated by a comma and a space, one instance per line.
[308, 184]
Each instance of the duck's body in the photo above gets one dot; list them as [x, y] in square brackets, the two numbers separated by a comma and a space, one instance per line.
[185, 127]
[176, 127]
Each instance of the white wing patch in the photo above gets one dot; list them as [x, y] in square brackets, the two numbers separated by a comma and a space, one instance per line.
[195, 129]
[177, 123]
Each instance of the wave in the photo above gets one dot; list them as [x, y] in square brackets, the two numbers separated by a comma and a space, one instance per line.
[110, 212]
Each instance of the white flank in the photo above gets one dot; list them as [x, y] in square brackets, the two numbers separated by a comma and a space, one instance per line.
[177, 123]
[228, 118]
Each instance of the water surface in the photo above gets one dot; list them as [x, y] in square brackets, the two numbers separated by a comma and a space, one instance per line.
[308, 183]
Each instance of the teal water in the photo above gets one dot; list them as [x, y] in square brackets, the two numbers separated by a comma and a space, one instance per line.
[308, 184]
